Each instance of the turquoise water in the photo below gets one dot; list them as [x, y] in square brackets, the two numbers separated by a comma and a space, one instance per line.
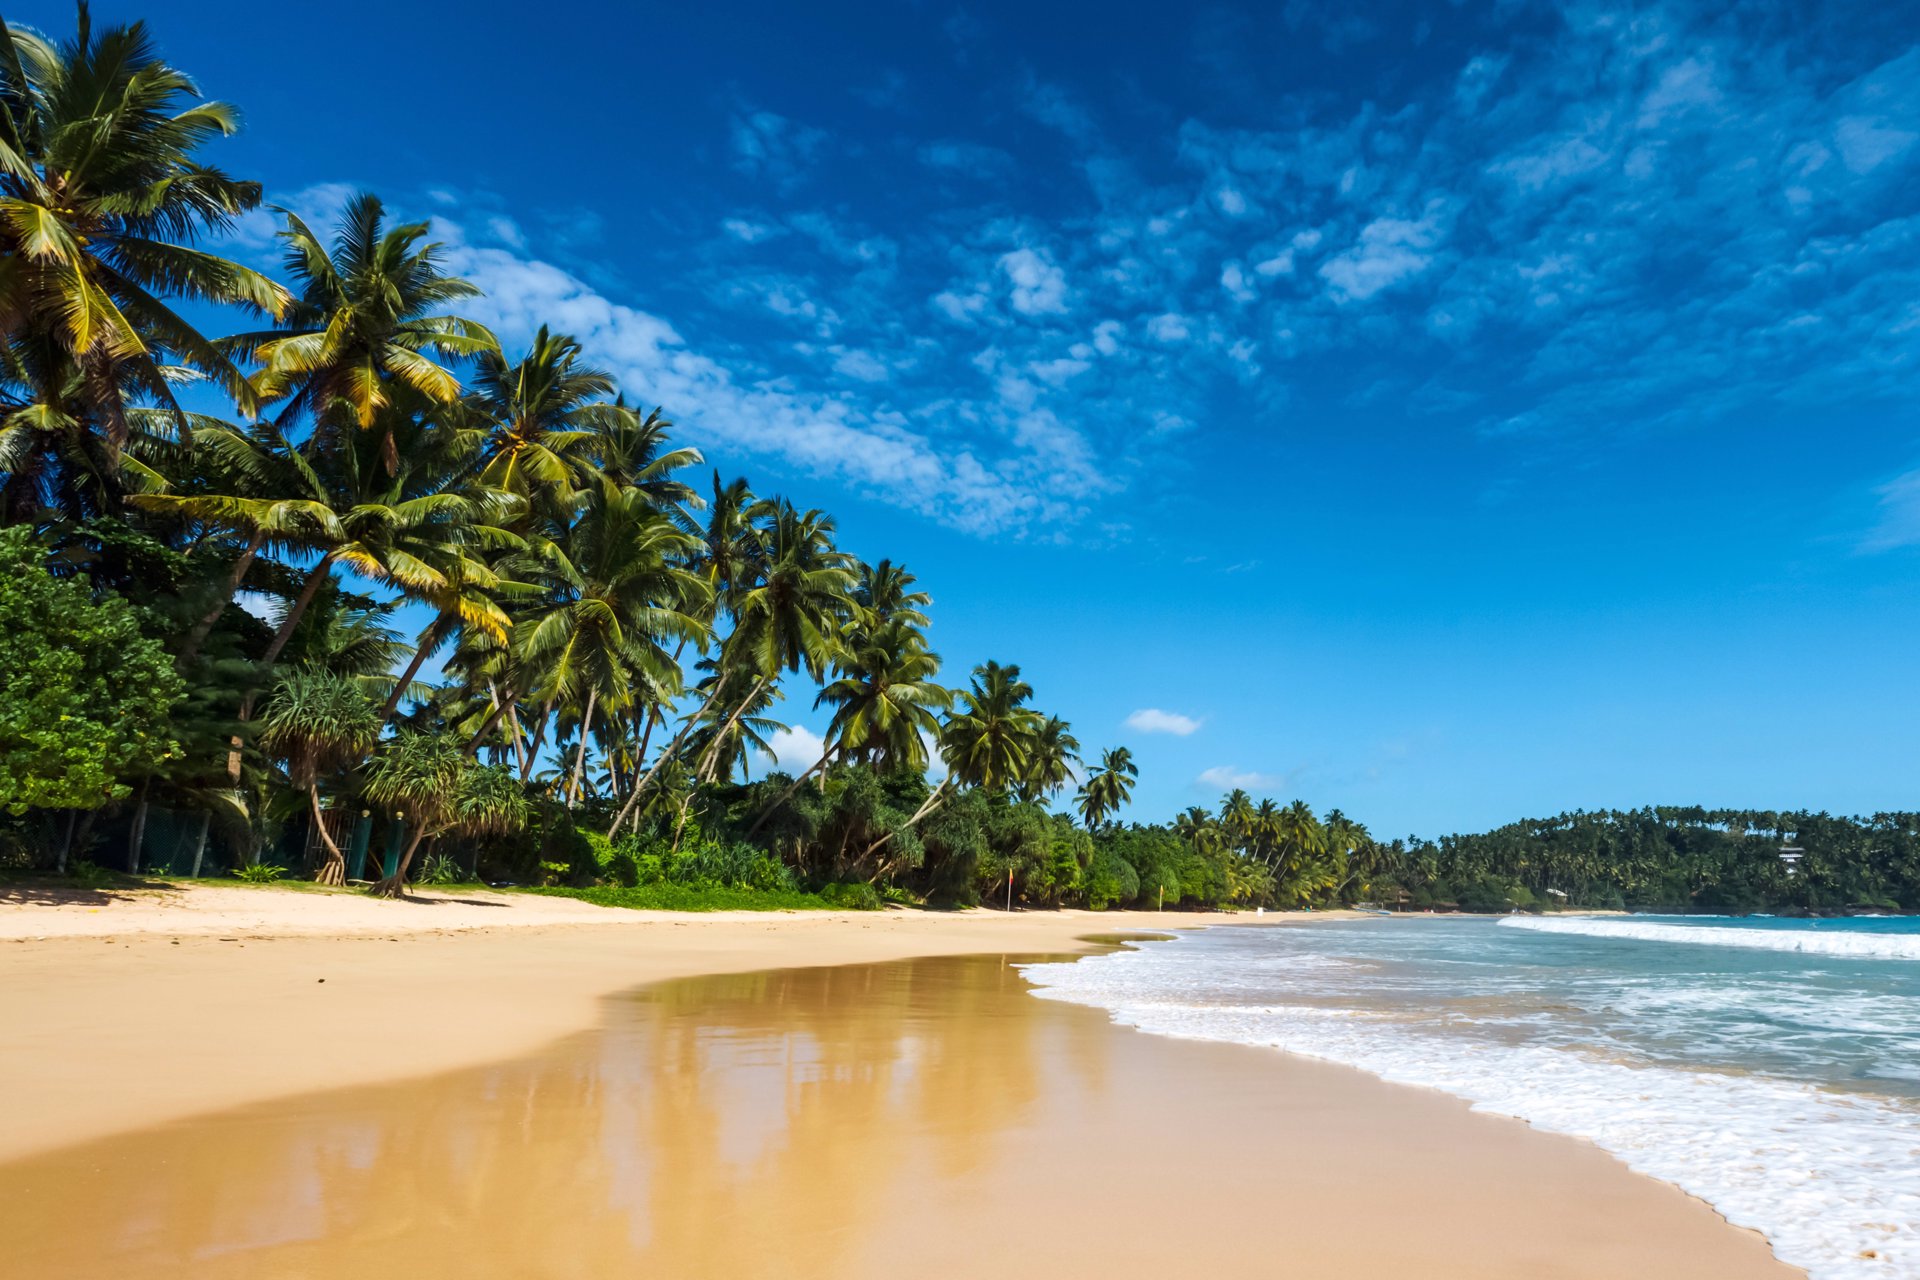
[1771, 1067]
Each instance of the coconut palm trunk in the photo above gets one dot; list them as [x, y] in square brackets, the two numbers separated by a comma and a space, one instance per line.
[539, 740]
[792, 787]
[711, 759]
[308, 591]
[927, 806]
[395, 885]
[501, 708]
[190, 647]
[333, 870]
[580, 756]
[429, 639]
[667, 753]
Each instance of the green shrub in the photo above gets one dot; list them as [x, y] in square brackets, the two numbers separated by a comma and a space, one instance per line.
[600, 850]
[442, 868]
[699, 861]
[88, 876]
[86, 698]
[661, 896]
[623, 869]
[260, 872]
[852, 897]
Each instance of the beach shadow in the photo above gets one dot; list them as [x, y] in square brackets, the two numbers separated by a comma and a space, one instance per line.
[64, 893]
[419, 901]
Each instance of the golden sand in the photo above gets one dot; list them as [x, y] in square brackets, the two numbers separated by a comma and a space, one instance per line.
[922, 1118]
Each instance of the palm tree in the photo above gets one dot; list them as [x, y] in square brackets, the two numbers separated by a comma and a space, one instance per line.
[365, 329]
[989, 741]
[886, 596]
[632, 448]
[614, 601]
[885, 702]
[319, 722]
[1196, 828]
[466, 597]
[790, 617]
[391, 527]
[255, 487]
[543, 410]
[1239, 818]
[101, 195]
[1051, 760]
[1108, 788]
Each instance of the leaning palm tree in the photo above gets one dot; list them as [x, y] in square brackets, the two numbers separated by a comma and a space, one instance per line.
[1108, 788]
[101, 195]
[254, 488]
[319, 722]
[790, 617]
[362, 337]
[466, 596]
[886, 706]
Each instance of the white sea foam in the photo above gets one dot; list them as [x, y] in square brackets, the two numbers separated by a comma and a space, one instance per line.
[1832, 1179]
[1827, 942]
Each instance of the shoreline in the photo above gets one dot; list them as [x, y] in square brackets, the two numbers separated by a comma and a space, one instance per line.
[313, 992]
[155, 1028]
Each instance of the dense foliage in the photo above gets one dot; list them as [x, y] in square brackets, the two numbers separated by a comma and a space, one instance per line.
[1686, 859]
[85, 694]
[364, 481]
[216, 614]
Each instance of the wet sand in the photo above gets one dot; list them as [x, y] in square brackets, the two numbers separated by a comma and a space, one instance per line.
[920, 1117]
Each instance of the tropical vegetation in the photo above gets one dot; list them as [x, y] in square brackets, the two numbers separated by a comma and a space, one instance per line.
[309, 568]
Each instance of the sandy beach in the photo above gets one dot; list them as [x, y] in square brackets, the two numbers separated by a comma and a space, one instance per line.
[236, 1082]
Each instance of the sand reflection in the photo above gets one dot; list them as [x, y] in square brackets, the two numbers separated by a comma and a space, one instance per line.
[748, 1125]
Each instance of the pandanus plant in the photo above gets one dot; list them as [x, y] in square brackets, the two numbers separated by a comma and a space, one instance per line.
[319, 723]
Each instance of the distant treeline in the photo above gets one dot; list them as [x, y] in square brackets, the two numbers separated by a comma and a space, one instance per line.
[1682, 858]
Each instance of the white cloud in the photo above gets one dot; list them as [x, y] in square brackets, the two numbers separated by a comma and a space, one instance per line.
[1226, 778]
[1171, 327]
[1866, 144]
[1233, 278]
[965, 157]
[1899, 522]
[768, 145]
[1039, 286]
[507, 231]
[961, 307]
[861, 365]
[872, 448]
[794, 748]
[1389, 251]
[1106, 337]
[1154, 720]
[748, 231]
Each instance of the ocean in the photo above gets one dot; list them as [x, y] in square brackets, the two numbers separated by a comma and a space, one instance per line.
[1770, 1067]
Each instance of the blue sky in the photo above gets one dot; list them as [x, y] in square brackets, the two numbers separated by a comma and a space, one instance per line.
[1448, 413]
